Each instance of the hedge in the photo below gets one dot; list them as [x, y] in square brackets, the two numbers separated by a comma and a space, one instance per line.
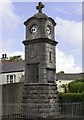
[75, 97]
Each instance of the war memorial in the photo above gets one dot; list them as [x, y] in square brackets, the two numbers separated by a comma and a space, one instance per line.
[36, 98]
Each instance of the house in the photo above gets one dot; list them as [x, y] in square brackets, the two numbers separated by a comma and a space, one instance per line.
[11, 71]
[65, 78]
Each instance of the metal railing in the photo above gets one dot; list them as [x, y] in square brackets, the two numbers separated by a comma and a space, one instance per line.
[66, 109]
[72, 109]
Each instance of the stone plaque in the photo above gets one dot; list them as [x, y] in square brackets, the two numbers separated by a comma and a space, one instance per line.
[32, 73]
[50, 76]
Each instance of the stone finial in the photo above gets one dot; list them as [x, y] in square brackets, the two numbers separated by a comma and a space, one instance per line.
[39, 7]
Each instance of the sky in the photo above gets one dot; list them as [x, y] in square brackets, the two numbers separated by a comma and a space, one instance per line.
[68, 32]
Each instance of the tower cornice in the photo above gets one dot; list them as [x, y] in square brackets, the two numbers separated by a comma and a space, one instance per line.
[38, 40]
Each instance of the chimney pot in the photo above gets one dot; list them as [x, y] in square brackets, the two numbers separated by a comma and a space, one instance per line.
[5, 55]
[2, 55]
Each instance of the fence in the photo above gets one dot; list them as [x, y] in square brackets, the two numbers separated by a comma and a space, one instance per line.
[72, 109]
[66, 110]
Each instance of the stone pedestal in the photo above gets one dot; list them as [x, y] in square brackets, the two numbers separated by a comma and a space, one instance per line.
[40, 101]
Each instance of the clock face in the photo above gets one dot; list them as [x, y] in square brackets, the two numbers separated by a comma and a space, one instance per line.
[48, 29]
[34, 29]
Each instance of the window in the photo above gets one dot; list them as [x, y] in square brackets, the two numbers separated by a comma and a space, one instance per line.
[11, 78]
[50, 56]
[14, 78]
[7, 79]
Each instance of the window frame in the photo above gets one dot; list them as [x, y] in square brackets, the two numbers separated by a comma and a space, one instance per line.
[11, 78]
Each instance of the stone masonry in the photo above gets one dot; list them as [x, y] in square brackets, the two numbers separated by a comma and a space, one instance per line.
[40, 99]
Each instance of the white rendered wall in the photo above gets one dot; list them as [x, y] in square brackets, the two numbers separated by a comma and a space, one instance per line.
[3, 76]
[60, 83]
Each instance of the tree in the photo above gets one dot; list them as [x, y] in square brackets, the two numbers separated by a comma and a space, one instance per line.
[15, 58]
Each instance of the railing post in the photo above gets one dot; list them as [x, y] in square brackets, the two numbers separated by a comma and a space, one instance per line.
[72, 110]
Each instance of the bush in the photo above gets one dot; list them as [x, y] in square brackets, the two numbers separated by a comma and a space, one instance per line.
[76, 86]
[83, 96]
[75, 97]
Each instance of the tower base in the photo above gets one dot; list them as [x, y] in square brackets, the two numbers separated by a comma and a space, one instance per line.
[40, 101]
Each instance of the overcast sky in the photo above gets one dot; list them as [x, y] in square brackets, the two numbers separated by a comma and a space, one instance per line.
[68, 32]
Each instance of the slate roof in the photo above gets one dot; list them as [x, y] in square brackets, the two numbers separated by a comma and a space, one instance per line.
[70, 76]
[17, 66]
[14, 66]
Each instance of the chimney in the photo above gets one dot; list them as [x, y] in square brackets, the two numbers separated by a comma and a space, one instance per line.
[4, 57]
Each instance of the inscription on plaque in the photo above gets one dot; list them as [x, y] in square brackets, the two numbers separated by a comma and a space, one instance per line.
[32, 73]
[50, 76]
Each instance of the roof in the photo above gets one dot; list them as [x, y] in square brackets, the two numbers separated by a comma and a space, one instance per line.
[12, 66]
[69, 76]
[40, 15]
[16, 66]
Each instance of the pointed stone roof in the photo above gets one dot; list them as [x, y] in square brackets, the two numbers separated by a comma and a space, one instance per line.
[40, 15]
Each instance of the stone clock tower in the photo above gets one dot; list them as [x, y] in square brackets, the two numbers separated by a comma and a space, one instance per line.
[40, 91]
[40, 48]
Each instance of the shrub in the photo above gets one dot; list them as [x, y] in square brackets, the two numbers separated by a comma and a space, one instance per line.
[75, 97]
[76, 86]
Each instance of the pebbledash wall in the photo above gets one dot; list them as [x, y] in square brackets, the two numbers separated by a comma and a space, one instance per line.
[10, 98]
